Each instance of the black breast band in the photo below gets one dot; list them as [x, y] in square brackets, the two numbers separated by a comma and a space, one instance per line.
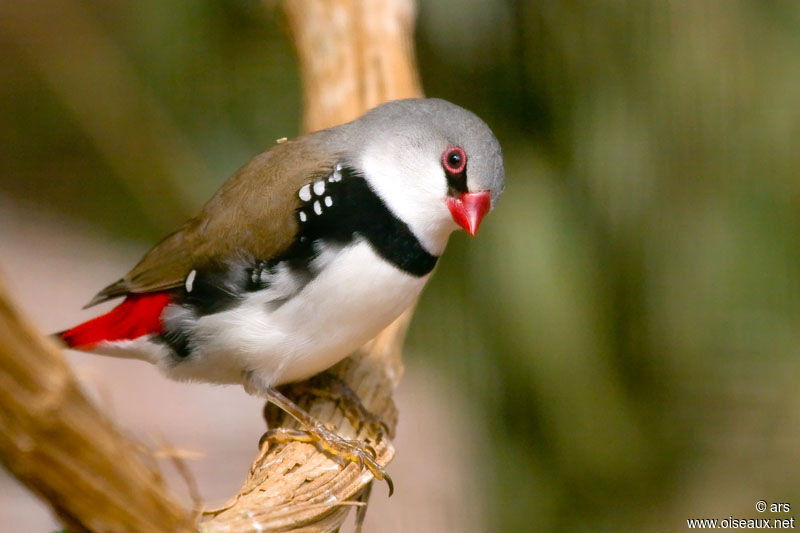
[340, 210]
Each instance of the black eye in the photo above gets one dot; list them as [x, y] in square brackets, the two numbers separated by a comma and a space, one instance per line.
[454, 160]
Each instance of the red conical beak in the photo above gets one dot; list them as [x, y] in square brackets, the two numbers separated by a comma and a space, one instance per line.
[469, 209]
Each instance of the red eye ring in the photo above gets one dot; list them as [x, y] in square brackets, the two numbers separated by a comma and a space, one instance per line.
[454, 160]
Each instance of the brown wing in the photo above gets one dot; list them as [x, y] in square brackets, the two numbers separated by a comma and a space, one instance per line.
[253, 213]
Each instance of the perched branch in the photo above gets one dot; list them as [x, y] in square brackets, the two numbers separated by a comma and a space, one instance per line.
[354, 54]
[58, 444]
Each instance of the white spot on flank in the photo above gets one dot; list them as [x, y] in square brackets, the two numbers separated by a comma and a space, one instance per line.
[190, 280]
[328, 201]
[281, 140]
[319, 187]
[303, 216]
[317, 208]
[305, 192]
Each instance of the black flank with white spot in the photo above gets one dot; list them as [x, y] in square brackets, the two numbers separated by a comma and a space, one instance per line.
[334, 210]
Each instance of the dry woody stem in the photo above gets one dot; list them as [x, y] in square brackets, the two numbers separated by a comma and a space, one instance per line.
[54, 440]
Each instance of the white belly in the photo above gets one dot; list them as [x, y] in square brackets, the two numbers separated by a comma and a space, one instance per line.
[354, 296]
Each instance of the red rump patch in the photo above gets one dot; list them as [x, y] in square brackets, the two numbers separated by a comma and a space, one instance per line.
[137, 315]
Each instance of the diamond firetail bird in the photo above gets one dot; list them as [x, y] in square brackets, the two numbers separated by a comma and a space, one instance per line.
[304, 254]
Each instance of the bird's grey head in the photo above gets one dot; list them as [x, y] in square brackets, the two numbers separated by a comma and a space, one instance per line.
[435, 164]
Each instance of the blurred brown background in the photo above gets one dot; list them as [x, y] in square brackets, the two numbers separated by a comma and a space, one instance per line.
[619, 348]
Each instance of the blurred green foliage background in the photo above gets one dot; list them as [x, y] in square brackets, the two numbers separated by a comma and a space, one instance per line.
[625, 327]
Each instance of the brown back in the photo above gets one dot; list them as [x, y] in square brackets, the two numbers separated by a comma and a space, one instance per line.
[251, 215]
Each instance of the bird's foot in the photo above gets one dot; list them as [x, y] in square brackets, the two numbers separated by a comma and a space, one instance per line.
[328, 386]
[352, 450]
[317, 433]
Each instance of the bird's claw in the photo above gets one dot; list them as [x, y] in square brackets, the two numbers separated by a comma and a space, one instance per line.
[351, 450]
[329, 386]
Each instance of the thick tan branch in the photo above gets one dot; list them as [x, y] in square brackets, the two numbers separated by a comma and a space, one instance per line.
[354, 55]
[59, 445]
